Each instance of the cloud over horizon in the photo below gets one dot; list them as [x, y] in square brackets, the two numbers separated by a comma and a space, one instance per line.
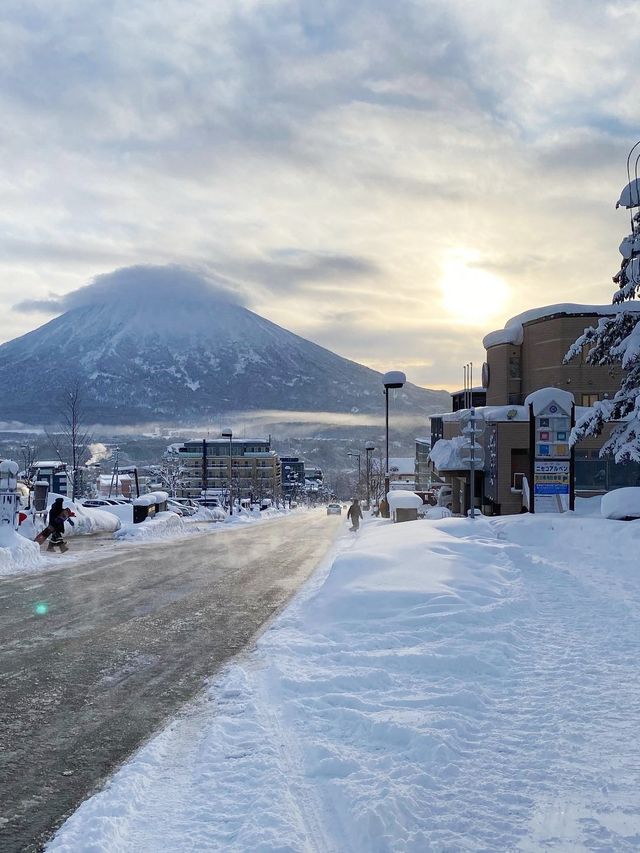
[391, 181]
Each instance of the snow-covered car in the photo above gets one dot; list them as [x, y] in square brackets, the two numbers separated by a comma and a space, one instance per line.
[445, 497]
[334, 509]
[180, 508]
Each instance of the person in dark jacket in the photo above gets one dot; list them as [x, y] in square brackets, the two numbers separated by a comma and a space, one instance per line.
[354, 513]
[57, 516]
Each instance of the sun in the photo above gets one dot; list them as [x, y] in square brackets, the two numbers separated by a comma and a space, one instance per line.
[470, 293]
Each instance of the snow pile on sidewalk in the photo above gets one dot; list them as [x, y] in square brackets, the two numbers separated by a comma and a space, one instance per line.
[162, 525]
[18, 554]
[448, 685]
[247, 516]
[204, 513]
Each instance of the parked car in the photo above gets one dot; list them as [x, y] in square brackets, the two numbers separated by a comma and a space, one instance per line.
[180, 508]
[334, 509]
[187, 502]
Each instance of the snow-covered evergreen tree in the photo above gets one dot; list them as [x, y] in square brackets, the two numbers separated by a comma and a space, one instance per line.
[616, 339]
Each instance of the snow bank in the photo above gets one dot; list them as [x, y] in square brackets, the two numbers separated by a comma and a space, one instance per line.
[123, 512]
[588, 506]
[18, 554]
[621, 503]
[162, 525]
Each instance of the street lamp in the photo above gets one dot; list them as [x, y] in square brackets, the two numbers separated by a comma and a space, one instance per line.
[357, 455]
[392, 379]
[227, 433]
[368, 448]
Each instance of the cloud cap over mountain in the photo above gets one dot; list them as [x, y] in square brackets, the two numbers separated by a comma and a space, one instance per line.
[140, 285]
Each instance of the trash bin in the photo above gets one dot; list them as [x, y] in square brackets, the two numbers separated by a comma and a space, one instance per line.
[406, 514]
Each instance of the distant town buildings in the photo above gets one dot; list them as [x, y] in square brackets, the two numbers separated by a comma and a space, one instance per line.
[402, 473]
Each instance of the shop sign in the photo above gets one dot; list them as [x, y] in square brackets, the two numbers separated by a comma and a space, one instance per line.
[551, 486]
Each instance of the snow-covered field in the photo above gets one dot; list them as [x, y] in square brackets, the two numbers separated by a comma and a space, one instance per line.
[447, 685]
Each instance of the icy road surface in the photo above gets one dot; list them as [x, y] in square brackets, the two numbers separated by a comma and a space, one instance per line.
[96, 655]
[447, 686]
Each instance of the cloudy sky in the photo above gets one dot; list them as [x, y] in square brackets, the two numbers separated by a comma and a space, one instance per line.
[389, 179]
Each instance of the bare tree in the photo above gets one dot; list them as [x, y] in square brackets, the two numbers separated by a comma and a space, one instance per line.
[172, 473]
[71, 438]
[29, 453]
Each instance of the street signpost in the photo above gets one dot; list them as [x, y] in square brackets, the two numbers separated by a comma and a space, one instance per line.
[551, 416]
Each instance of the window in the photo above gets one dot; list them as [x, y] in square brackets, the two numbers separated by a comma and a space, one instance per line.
[589, 399]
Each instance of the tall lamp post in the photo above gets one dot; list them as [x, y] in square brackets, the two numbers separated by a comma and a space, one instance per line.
[227, 433]
[357, 455]
[368, 448]
[390, 380]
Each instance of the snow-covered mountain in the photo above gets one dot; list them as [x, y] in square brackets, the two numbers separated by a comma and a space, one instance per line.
[160, 344]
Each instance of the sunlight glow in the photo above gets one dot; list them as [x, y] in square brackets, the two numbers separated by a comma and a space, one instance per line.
[469, 293]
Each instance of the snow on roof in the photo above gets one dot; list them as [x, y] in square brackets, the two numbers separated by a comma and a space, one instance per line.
[491, 413]
[403, 499]
[513, 331]
[151, 499]
[630, 195]
[545, 396]
[106, 479]
[402, 465]
[47, 463]
[445, 454]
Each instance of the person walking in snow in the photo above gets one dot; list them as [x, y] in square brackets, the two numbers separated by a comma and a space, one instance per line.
[57, 517]
[354, 513]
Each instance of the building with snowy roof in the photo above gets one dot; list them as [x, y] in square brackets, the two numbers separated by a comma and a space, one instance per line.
[252, 469]
[524, 357]
[402, 473]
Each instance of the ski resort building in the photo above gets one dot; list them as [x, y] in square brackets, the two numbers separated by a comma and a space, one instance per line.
[252, 470]
[524, 357]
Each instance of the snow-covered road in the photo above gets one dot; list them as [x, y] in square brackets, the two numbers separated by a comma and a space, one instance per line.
[451, 685]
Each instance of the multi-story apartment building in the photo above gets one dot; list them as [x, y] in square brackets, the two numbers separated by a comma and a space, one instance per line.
[292, 476]
[252, 470]
[524, 357]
